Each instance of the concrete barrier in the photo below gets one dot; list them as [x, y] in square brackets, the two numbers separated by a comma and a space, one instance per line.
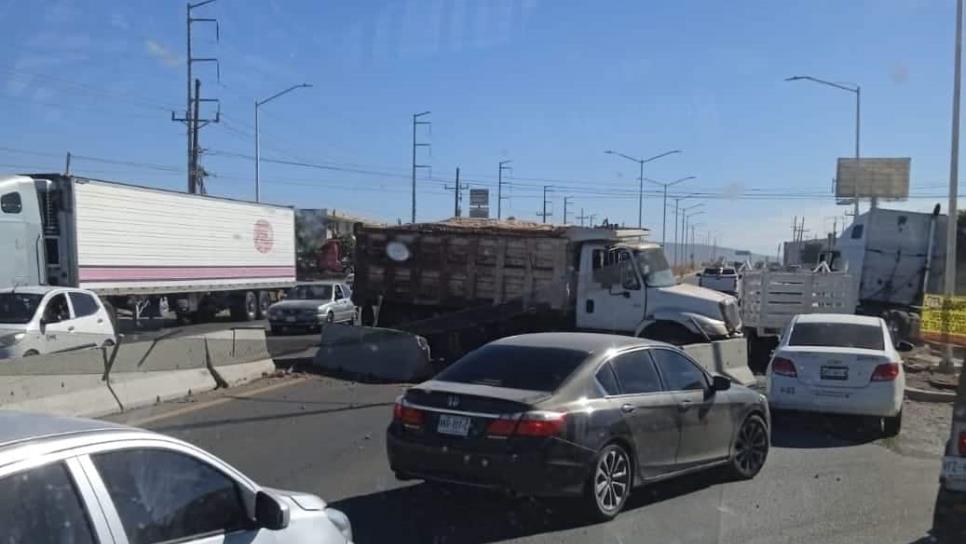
[384, 354]
[727, 357]
[94, 382]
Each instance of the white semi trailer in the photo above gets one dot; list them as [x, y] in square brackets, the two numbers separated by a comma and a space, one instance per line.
[145, 249]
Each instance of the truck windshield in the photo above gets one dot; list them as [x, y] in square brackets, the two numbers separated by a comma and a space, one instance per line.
[310, 292]
[18, 307]
[654, 267]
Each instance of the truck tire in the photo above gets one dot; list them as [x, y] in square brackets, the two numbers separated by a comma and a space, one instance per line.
[899, 323]
[245, 307]
[264, 301]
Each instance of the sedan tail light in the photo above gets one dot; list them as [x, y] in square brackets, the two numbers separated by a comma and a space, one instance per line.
[784, 367]
[534, 424]
[962, 443]
[408, 416]
[885, 372]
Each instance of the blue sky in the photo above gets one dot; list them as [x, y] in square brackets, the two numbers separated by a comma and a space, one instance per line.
[548, 84]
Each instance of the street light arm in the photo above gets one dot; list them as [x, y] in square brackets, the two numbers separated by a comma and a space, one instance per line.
[278, 94]
[698, 205]
[665, 154]
[628, 157]
[853, 89]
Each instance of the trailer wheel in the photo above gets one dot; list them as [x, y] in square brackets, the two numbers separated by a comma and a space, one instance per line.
[264, 301]
[245, 307]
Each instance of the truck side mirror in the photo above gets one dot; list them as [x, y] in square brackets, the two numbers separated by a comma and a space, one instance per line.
[43, 325]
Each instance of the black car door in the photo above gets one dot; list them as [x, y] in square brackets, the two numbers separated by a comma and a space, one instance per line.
[705, 418]
[650, 412]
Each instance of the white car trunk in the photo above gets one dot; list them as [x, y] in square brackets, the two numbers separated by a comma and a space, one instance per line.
[833, 367]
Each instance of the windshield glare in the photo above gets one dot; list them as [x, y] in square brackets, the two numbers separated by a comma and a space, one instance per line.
[18, 307]
[310, 292]
[654, 267]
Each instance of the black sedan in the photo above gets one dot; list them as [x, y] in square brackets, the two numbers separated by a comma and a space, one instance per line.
[576, 415]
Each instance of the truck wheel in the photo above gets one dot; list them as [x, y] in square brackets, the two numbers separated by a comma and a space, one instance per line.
[672, 333]
[899, 324]
[245, 307]
[264, 301]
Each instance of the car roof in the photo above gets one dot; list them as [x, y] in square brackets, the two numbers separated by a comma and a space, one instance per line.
[17, 427]
[839, 318]
[588, 342]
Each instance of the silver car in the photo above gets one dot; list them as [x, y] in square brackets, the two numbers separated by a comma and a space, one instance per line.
[84, 481]
[308, 305]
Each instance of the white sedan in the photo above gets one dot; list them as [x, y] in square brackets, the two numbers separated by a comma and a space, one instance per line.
[84, 481]
[837, 363]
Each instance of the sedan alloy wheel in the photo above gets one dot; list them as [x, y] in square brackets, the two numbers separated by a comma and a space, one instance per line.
[751, 448]
[610, 483]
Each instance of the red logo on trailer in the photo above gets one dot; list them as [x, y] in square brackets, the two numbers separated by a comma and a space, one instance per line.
[264, 237]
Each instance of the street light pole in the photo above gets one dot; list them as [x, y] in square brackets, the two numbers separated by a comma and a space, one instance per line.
[664, 219]
[688, 216]
[257, 140]
[949, 281]
[640, 189]
[684, 211]
[857, 90]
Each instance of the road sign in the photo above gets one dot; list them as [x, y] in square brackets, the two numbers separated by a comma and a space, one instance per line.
[479, 197]
[935, 324]
[867, 178]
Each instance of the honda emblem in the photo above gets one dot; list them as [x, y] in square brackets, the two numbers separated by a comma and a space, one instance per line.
[452, 401]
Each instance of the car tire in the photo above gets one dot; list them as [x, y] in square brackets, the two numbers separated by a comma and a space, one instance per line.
[892, 425]
[329, 318]
[264, 301]
[751, 448]
[31, 353]
[611, 470]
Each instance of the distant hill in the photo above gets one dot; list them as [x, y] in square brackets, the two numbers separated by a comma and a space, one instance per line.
[705, 253]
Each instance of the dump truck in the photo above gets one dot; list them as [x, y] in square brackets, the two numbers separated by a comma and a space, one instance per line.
[462, 282]
[145, 249]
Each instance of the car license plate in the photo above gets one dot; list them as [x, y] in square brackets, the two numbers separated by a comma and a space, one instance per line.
[835, 372]
[954, 472]
[290, 319]
[454, 425]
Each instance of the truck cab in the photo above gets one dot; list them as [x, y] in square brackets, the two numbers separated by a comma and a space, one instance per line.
[628, 287]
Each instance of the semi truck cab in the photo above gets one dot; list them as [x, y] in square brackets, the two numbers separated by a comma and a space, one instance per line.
[629, 287]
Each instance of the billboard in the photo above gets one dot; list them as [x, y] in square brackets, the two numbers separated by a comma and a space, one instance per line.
[479, 197]
[886, 178]
[944, 318]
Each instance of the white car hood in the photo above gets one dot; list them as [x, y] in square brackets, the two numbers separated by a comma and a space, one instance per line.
[12, 328]
[298, 305]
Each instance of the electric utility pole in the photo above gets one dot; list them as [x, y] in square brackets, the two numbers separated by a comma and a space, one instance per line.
[457, 193]
[544, 214]
[193, 124]
[499, 188]
[566, 200]
[581, 217]
[416, 144]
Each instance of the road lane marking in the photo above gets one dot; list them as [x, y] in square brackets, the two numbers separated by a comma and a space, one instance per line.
[211, 403]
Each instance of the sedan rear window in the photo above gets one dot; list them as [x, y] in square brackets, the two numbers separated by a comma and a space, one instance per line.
[516, 367]
[838, 335]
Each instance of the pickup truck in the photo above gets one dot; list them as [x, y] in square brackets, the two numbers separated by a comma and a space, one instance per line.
[36, 320]
[719, 279]
[462, 282]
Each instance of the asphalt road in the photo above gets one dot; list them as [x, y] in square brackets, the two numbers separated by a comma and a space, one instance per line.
[825, 480]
